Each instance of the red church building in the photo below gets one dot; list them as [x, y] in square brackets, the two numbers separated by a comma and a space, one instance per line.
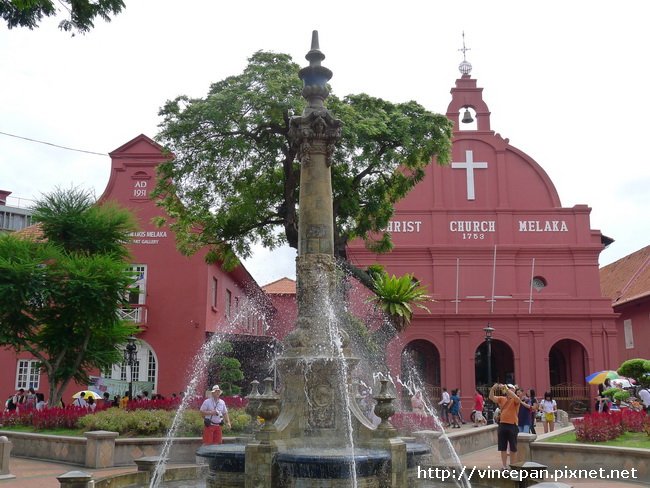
[490, 239]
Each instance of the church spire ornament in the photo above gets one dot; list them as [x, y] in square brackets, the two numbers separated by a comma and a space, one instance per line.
[465, 67]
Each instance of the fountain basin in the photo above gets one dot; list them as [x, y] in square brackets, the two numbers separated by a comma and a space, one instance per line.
[331, 464]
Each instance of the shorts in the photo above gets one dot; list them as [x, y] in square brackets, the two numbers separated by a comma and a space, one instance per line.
[549, 417]
[507, 436]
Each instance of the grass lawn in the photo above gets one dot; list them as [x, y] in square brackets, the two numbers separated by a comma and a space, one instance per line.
[24, 428]
[628, 439]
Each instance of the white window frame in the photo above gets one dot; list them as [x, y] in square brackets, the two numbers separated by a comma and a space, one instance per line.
[28, 374]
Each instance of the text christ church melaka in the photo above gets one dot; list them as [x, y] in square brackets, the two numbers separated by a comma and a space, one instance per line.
[490, 239]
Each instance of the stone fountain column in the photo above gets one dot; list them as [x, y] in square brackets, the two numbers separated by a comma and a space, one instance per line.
[317, 405]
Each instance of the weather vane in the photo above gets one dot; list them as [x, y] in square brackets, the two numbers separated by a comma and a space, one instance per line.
[465, 66]
[464, 49]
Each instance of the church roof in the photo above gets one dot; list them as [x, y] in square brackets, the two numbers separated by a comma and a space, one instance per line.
[283, 286]
[627, 279]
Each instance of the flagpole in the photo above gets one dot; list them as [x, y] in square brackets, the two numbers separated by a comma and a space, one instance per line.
[457, 281]
[494, 277]
[530, 295]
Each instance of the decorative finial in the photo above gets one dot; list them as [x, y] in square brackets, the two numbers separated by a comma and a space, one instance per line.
[315, 55]
[465, 67]
[315, 76]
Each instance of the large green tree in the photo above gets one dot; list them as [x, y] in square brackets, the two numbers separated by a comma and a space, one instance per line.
[60, 294]
[80, 14]
[235, 175]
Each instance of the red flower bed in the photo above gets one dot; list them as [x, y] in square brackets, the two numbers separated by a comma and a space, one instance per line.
[633, 421]
[173, 403]
[407, 422]
[599, 427]
[235, 401]
[48, 418]
[165, 404]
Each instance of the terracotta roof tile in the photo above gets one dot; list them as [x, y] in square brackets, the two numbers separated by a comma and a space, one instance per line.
[628, 278]
[33, 232]
[283, 286]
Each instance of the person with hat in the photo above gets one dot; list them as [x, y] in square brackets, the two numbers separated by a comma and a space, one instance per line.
[508, 401]
[215, 413]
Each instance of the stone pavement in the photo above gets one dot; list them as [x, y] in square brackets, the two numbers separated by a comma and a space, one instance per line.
[31, 473]
[490, 457]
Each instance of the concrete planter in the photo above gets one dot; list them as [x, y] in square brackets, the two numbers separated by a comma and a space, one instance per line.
[592, 457]
[98, 449]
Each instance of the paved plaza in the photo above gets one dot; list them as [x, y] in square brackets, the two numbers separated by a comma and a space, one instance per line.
[41, 474]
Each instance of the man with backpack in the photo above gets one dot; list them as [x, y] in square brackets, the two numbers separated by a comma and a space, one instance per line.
[15, 401]
[644, 395]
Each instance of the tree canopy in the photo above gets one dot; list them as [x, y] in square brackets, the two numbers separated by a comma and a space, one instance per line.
[60, 295]
[80, 14]
[235, 175]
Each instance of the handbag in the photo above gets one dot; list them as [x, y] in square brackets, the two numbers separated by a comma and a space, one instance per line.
[207, 422]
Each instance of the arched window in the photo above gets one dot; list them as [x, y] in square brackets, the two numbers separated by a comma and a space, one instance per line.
[144, 369]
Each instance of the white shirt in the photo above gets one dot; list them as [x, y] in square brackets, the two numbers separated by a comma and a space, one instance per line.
[445, 398]
[212, 404]
[548, 406]
[79, 402]
[644, 395]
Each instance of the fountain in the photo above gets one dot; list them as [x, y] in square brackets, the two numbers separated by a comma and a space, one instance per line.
[315, 434]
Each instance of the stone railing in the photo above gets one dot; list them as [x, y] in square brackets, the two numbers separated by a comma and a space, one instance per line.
[98, 449]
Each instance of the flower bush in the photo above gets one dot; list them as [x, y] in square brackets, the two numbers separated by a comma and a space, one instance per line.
[599, 427]
[141, 418]
[407, 422]
[48, 418]
[633, 421]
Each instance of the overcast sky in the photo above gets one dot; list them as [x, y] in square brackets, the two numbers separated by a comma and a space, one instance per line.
[565, 81]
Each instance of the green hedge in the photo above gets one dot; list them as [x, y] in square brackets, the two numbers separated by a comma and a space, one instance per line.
[155, 422]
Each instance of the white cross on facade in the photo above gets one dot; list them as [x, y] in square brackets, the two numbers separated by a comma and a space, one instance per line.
[470, 165]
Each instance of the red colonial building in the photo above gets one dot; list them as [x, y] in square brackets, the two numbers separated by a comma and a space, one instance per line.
[177, 301]
[490, 239]
[627, 283]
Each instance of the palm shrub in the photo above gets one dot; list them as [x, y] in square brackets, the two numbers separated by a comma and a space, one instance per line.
[397, 296]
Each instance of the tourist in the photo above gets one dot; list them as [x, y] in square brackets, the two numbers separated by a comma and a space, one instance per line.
[80, 401]
[602, 401]
[106, 400]
[215, 413]
[533, 411]
[19, 399]
[524, 418]
[507, 431]
[124, 401]
[116, 401]
[417, 403]
[477, 412]
[90, 403]
[644, 396]
[444, 403]
[30, 399]
[40, 401]
[548, 408]
[454, 409]
[145, 396]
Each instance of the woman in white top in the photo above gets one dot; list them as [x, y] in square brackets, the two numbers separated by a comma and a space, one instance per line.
[548, 407]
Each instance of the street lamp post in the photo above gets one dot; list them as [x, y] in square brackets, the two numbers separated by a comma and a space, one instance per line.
[488, 340]
[130, 358]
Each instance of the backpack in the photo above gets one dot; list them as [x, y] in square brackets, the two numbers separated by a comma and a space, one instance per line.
[9, 404]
